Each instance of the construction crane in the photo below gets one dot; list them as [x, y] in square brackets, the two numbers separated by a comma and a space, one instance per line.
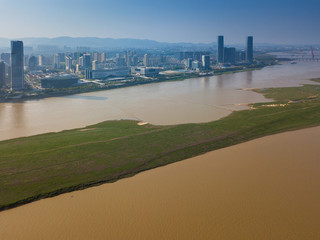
[312, 53]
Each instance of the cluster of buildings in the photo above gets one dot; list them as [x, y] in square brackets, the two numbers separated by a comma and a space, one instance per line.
[96, 65]
[230, 55]
[15, 68]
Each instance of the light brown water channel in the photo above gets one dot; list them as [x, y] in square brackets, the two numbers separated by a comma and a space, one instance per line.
[193, 100]
[263, 189]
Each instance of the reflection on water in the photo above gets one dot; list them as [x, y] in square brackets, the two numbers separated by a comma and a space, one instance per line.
[192, 100]
[264, 189]
[249, 77]
[95, 98]
[18, 115]
[206, 82]
[219, 81]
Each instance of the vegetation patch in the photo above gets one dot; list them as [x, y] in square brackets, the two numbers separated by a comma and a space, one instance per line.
[49, 164]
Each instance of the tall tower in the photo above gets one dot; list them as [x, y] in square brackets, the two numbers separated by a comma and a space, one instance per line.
[220, 49]
[2, 74]
[206, 62]
[41, 60]
[17, 75]
[103, 57]
[68, 60]
[249, 53]
[146, 60]
[87, 61]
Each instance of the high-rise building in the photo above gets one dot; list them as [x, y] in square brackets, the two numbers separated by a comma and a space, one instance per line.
[205, 62]
[146, 60]
[103, 57]
[68, 63]
[229, 55]
[196, 65]
[32, 62]
[220, 50]
[41, 60]
[189, 63]
[87, 61]
[241, 56]
[119, 61]
[61, 57]
[56, 60]
[96, 56]
[81, 61]
[128, 60]
[5, 57]
[95, 65]
[2, 74]
[17, 75]
[134, 60]
[249, 53]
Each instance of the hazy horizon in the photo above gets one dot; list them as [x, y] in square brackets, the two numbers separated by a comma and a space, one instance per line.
[277, 22]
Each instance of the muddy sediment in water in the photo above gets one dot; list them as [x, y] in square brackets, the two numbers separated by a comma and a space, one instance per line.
[263, 189]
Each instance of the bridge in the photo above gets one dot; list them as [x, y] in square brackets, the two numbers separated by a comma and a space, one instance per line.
[306, 59]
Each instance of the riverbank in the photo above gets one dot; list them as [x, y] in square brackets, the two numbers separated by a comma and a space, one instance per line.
[264, 189]
[60, 92]
[50, 164]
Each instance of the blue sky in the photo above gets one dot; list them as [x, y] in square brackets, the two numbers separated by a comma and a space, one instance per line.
[272, 21]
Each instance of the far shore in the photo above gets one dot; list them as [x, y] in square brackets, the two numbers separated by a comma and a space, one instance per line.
[115, 85]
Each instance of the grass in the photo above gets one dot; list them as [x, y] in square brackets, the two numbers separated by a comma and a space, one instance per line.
[46, 165]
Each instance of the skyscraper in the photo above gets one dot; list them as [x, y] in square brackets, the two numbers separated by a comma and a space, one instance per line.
[41, 60]
[87, 61]
[95, 65]
[56, 61]
[220, 49]
[229, 55]
[68, 60]
[32, 62]
[2, 74]
[146, 60]
[103, 57]
[96, 56]
[189, 63]
[249, 53]
[205, 62]
[5, 57]
[17, 75]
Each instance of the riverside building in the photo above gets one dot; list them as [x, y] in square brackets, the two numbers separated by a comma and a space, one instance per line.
[17, 74]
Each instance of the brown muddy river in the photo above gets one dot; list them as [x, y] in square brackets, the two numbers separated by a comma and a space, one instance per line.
[263, 189]
[193, 100]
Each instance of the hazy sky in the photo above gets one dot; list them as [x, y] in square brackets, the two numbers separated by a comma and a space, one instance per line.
[272, 21]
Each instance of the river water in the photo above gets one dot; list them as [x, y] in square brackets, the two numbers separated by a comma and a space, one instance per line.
[193, 100]
[263, 189]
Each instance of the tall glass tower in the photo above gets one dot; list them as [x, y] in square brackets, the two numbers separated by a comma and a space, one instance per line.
[249, 54]
[17, 75]
[2, 74]
[220, 49]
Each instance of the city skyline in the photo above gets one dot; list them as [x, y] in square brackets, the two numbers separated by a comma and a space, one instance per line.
[281, 22]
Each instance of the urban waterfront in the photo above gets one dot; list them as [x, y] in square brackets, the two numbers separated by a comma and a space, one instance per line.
[133, 120]
[192, 100]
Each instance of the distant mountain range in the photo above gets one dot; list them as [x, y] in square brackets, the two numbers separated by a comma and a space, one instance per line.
[120, 43]
[94, 42]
